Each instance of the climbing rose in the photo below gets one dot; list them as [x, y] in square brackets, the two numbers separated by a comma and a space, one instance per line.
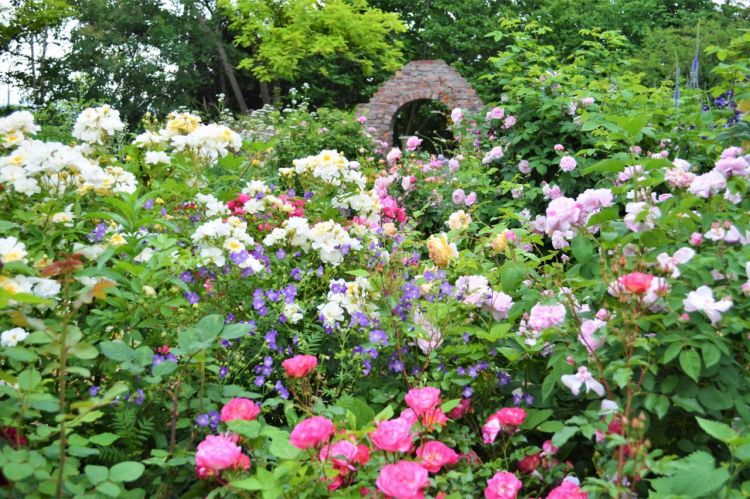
[504, 485]
[311, 432]
[342, 454]
[300, 366]
[393, 435]
[567, 490]
[394, 155]
[422, 400]
[403, 480]
[239, 408]
[412, 143]
[636, 282]
[434, 455]
[219, 452]
[567, 163]
[542, 317]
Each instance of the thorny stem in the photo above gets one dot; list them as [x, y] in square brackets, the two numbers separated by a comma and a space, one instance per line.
[62, 384]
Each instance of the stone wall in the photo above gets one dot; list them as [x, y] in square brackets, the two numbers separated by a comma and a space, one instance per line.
[432, 79]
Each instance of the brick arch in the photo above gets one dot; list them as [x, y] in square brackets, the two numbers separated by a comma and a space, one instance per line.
[418, 80]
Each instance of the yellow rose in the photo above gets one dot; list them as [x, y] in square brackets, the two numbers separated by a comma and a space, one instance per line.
[500, 243]
[389, 229]
[441, 251]
[459, 220]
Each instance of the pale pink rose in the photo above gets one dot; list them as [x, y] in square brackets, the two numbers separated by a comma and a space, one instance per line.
[300, 366]
[568, 163]
[458, 196]
[393, 435]
[434, 455]
[219, 452]
[708, 184]
[509, 122]
[543, 317]
[403, 480]
[679, 176]
[490, 429]
[499, 304]
[551, 192]
[471, 198]
[592, 200]
[567, 490]
[394, 155]
[667, 263]
[503, 485]
[457, 115]
[408, 182]
[422, 400]
[524, 167]
[311, 432]
[732, 167]
[731, 152]
[702, 300]
[362, 119]
[559, 147]
[636, 223]
[472, 289]
[493, 154]
[582, 378]
[239, 408]
[413, 143]
[587, 101]
[588, 338]
[562, 213]
[696, 238]
[496, 113]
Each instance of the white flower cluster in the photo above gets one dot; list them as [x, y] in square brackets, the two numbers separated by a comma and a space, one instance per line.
[37, 286]
[184, 131]
[329, 239]
[34, 165]
[329, 166]
[216, 236]
[355, 297]
[12, 250]
[95, 124]
[213, 206]
[15, 128]
[364, 204]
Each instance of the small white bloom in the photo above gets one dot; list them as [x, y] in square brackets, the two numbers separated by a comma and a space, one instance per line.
[12, 337]
[702, 300]
[582, 378]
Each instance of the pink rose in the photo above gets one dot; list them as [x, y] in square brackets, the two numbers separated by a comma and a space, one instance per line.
[412, 143]
[511, 416]
[342, 454]
[543, 317]
[461, 409]
[490, 429]
[434, 455]
[393, 435]
[636, 282]
[422, 400]
[394, 155]
[219, 452]
[471, 198]
[457, 115]
[524, 166]
[509, 122]
[567, 490]
[311, 432]
[239, 408]
[433, 418]
[458, 196]
[409, 415]
[504, 485]
[403, 480]
[559, 147]
[568, 163]
[732, 167]
[300, 366]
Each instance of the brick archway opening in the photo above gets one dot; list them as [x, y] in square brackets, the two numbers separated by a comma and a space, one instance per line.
[424, 118]
[418, 80]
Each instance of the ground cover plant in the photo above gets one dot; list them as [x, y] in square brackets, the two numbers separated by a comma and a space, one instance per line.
[278, 304]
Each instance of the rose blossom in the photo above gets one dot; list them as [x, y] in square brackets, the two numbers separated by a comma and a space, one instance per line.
[471, 198]
[394, 155]
[311, 432]
[403, 480]
[559, 147]
[342, 454]
[239, 408]
[434, 455]
[393, 435]
[457, 115]
[524, 167]
[219, 452]
[458, 196]
[567, 163]
[543, 317]
[504, 485]
[636, 282]
[300, 366]
[567, 490]
[422, 400]
[412, 143]
[440, 250]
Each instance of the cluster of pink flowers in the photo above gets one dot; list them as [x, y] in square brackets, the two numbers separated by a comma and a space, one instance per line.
[344, 455]
[507, 419]
[460, 197]
[390, 208]
[565, 215]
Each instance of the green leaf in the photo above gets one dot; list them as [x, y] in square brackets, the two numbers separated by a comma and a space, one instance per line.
[15, 472]
[671, 352]
[210, 326]
[251, 483]
[535, 417]
[96, 474]
[449, 405]
[247, 429]
[116, 350]
[511, 275]
[84, 351]
[19, 354]
[582, 248]
[690, 362]
[711, 354]
[563, 435]
[622, 376]
[164, 368]
[692, 476]
[719, 431]
[235, 331]
[281, 448]
[359, 273]
[606, 166]
[363, 413]
[550, 426]
[104, 439]
[126, 471]
[109, 489]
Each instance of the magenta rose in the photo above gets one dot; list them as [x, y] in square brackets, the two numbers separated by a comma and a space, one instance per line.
[511, 416]
[504, 485]
[219, 452]
[422, 400]
[342, 454]
[393, 435]
[239, 408]
[311, 432]
[434, 455]
[403, 480]
[300, 366]
[567, 490]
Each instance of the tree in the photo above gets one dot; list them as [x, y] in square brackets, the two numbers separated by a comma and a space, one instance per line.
[339, 47]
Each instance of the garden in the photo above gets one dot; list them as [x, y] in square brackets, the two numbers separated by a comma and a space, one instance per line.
[546, 298]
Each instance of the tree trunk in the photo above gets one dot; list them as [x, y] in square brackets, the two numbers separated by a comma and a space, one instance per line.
[265, 96]
[228, 69]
